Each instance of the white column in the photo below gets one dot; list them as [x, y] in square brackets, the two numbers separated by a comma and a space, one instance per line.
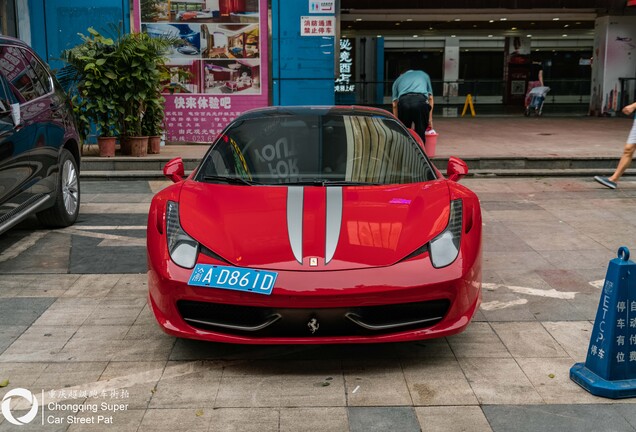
[614, 57]
[451, 67]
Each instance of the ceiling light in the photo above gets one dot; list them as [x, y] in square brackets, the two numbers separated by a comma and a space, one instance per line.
[528, 35]
[409, 19]
[430, 28]
[458, 19]
[564, 35]
[566, 26]
[491, 21]
[514, 28]
[397, 23]
[503, 19]
[489, 35]
[358, 19]
[379, 36]
[453, 36]
[555, 19]
[414, 35]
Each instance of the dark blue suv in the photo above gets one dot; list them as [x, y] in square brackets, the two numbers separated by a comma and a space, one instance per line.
[39, 143]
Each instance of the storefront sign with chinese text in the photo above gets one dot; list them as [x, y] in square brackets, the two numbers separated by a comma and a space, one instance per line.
[317, 25]
[346, 73]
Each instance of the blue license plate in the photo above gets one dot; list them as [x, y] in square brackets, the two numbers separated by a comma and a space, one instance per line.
[233, 278]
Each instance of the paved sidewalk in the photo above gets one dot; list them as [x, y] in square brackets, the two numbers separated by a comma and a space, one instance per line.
[74, 322]
[532, 137]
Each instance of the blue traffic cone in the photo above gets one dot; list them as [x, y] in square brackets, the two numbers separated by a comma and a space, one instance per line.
[610, 367]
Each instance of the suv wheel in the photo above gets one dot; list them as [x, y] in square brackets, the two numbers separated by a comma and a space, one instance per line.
[66, 208]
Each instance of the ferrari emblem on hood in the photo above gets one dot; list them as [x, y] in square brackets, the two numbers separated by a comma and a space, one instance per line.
[313, 325]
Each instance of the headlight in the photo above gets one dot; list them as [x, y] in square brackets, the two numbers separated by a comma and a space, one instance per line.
[183, 249]
[445, 247]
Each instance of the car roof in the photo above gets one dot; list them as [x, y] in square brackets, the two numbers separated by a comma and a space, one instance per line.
[276, 111]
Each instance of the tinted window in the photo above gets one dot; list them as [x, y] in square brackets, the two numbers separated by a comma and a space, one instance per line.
[6, 96]
[26, 76]
[343, 148]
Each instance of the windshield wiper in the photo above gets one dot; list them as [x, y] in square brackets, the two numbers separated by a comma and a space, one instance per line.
[229, 180]
[350, 183]
[326, 182]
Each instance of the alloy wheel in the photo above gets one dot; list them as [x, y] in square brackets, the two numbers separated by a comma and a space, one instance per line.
[70, 189]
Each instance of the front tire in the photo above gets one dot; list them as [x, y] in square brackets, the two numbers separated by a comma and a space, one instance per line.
[67, 201]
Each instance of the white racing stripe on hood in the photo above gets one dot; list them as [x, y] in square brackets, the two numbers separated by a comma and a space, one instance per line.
[295, 220]
[333, 221]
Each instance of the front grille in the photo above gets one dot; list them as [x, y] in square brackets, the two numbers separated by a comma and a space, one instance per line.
[298, 322]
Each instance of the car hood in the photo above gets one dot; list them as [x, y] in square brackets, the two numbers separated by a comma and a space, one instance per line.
[314, 228]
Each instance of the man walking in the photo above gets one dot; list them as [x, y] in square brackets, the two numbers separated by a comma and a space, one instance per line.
[413, 100]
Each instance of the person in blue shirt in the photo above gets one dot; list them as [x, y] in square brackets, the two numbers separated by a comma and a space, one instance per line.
[628, 153]
[413, 100]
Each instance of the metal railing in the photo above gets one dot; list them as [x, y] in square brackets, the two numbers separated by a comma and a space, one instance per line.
[482, 91]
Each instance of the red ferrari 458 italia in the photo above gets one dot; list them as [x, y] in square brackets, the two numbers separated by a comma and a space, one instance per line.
[312, 225]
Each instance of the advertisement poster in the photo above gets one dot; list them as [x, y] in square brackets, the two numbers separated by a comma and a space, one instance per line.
[219, 70]
[519, 45]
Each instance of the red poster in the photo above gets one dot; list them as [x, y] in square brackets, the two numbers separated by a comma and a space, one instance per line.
[219, 71]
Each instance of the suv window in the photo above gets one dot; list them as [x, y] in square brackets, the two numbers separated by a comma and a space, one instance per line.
[26, 76]
[6, 97]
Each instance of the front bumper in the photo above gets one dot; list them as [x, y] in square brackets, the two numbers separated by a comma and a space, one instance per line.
[407, 301]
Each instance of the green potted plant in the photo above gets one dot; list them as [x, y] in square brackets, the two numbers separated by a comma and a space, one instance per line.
[94, 93]
[152, 123]
[141, 61]
[118, 85]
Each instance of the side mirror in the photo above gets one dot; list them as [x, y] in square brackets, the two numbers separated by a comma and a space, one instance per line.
[456, 169]
[15, 114]
[174, 170]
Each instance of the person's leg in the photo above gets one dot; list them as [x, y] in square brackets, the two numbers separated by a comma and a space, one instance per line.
[421, 118]
[413, 110]
[405, 111]
[623, 164]
[408, 111]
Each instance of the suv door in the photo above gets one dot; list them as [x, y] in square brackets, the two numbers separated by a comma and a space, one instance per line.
[16, 140]
[42, 112]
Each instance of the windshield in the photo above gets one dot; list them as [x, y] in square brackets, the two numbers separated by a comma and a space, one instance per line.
[316, 149]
